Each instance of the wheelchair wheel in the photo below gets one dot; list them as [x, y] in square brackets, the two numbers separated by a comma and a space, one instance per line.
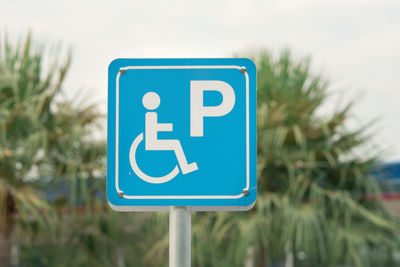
[142, 175]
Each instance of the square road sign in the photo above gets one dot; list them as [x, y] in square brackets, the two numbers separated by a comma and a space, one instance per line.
[181, 132]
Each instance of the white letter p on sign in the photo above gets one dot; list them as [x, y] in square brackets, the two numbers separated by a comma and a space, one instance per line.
[197, 109]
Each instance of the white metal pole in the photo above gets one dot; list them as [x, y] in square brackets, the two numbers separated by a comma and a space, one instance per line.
[179, 236]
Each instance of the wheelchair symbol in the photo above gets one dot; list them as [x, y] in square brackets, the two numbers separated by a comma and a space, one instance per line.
[151, 101]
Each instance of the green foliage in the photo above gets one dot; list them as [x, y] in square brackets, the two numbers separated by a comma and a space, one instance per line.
[101, 238]
[46, 144]
[43, 137]
[25, 96]
[315, 189]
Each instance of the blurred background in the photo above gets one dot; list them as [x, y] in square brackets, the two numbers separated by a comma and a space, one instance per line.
[328, 147]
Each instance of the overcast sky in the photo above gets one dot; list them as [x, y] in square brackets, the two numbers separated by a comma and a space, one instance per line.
[356, 45]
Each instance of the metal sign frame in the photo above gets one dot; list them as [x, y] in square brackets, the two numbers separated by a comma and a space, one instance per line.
[194, 64]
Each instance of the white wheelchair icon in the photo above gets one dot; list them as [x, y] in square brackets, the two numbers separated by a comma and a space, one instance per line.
[151, 101]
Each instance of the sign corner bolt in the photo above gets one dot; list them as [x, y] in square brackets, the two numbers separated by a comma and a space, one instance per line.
[122, 70]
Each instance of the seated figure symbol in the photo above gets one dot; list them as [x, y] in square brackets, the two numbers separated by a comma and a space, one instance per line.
[151, 101]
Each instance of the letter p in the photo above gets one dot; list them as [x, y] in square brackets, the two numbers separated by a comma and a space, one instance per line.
[197, 109]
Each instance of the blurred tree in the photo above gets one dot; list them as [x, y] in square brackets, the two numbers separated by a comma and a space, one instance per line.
[96, 239]
[43, 138]
[318, 204]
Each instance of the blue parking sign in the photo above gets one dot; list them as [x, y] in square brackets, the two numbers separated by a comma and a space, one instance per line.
[181, 132]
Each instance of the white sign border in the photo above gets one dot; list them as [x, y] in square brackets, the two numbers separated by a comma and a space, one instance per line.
[129, 208]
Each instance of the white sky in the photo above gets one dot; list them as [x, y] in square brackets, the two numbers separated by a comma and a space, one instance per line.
[357, 44]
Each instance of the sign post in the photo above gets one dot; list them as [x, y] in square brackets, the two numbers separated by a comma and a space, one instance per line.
[181, 137]
[179, 236]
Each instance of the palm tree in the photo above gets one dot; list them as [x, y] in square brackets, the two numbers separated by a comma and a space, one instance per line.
[317, 201]
[42, 139]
